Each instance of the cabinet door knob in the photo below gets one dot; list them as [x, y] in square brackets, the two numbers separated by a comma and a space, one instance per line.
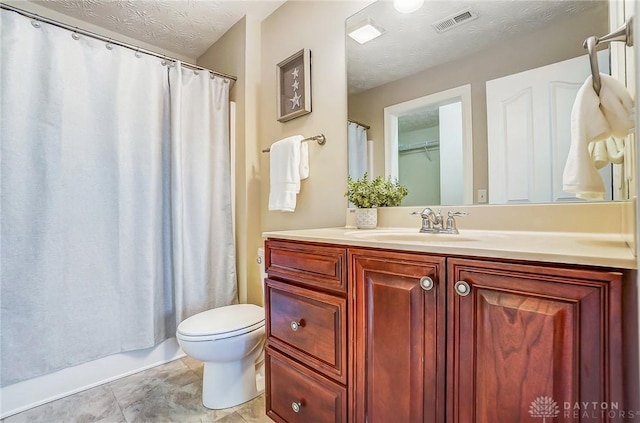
[295, 406]
[426, 283]
[295, 325]
[462, 288]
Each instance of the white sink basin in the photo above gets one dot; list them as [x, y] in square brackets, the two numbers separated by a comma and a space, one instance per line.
[408, 236]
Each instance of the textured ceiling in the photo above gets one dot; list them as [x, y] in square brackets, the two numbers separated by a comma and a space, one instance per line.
[402, 50]
[184, 27]
[426, 117]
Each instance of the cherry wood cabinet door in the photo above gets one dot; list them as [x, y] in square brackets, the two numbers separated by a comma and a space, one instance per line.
[399, 336]
[527, 342]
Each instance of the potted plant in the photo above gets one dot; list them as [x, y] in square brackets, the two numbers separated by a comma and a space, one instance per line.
[369, 194]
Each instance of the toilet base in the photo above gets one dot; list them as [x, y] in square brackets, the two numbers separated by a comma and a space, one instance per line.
[226, 385]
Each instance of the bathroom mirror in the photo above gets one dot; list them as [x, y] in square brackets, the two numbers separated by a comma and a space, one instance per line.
[450, 44]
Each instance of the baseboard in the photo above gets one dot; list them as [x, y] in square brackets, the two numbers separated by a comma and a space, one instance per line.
[41, 390]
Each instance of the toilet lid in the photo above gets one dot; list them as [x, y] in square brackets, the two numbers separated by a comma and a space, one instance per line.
[222, 320]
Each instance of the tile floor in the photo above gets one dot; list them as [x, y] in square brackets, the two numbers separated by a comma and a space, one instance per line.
[164, 394]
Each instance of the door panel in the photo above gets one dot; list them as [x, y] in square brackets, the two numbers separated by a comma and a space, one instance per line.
[399, 337]
[526, 333]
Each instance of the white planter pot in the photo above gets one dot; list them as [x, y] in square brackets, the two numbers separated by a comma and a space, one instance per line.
[367, 218]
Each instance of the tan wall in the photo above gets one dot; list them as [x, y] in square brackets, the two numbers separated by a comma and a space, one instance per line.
[251, 50]
[318, 26]
[558, 42]
[237, 53]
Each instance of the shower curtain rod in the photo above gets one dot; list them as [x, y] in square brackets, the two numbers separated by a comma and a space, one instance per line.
[111, 40]
[358, 123]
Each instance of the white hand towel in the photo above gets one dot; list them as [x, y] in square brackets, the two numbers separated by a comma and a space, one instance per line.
[304, 161]
[285, 173]
[594, 118]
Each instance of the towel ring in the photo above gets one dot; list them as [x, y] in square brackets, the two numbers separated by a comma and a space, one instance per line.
[624, 34]
[590, 44]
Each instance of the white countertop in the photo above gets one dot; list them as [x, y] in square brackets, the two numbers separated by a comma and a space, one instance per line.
[605, 250]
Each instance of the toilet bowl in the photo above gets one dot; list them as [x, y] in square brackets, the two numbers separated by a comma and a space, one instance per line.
[229, 340]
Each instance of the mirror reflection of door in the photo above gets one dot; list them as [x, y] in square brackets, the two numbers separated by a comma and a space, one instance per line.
[419, 155]
[528, 123]
[428, 147]
[429, 152]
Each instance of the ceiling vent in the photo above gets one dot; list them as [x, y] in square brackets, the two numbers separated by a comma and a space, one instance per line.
[455, 20]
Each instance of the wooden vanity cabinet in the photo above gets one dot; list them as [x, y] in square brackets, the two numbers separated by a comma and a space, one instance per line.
[400, 336]
[415, 337]
[519, 333]
[306, 349]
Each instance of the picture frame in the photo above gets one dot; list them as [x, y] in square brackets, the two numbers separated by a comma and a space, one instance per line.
[294, 86]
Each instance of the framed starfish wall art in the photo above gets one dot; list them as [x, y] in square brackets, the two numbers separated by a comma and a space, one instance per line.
[294, 86]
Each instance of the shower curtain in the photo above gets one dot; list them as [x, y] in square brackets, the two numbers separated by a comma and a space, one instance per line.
[115, 215]
[202, 230]
[357, 146]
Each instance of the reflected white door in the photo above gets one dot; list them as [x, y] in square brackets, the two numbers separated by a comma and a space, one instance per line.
[451, 167]
[528, 123]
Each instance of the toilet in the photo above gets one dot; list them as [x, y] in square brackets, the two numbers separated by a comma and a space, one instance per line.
[230, 342]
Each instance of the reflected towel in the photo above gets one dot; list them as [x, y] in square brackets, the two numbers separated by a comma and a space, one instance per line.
[598, 153]
[615, 150]
[285, 173]
[595, 118]
[607, 151]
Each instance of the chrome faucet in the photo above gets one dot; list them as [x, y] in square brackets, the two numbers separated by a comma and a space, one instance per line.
[432, 222]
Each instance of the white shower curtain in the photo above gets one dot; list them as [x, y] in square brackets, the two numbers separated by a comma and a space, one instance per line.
[199, 139]
[357, 146]
[101, 193]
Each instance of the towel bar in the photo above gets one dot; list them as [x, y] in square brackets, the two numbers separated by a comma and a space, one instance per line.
[321, 139]
[624, 34]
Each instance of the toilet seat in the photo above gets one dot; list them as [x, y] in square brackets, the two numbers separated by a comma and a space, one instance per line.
[223, 322]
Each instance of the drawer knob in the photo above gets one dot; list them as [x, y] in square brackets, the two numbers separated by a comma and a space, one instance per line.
[462, 288]
[295, 325]
[426, 283]
[295, 406]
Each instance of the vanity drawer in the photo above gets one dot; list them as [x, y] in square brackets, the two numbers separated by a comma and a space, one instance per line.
[308, 325]
[297, 394]
[315, 265]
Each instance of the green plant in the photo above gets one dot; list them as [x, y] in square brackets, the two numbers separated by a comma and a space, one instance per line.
[379, 192]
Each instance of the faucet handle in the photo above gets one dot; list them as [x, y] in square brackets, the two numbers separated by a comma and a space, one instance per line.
[458, 213]
[451, 221]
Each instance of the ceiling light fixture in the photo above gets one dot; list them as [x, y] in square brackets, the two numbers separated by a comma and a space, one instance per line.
[407, 6]
[365, 31]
